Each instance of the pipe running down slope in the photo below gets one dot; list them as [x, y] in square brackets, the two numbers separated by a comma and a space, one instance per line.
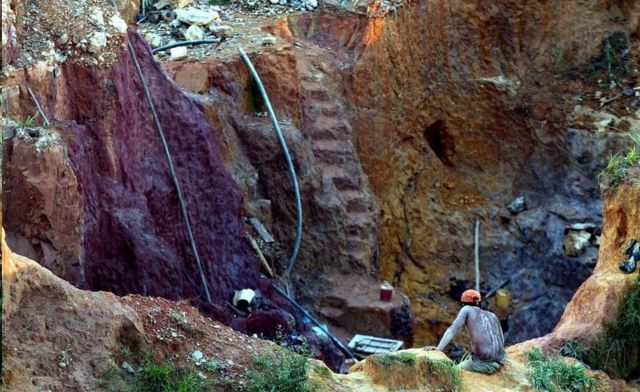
[285, 150]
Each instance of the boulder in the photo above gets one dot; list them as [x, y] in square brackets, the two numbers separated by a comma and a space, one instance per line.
[178, 53]
[194, 16]
[194, 33]
[576, 242]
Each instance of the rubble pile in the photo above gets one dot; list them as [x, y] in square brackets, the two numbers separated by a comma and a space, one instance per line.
[165, 22]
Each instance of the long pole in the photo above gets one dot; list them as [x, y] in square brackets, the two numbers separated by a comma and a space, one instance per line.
[476, 253]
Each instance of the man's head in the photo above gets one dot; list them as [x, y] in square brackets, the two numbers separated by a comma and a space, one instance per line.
[471, 297]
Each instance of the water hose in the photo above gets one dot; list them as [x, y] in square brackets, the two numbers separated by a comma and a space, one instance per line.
[172, 173]
[185, 43]
[35, 101]
[316, 322]
[285, 150]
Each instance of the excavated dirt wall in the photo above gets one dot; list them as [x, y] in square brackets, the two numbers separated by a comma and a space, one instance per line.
[404, 131]
[133, 239]
[459, 108]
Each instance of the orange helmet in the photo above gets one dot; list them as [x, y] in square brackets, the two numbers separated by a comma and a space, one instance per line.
[471, 296]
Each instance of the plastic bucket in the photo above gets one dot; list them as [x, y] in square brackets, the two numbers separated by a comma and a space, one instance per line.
[386, 292]
[503, 298]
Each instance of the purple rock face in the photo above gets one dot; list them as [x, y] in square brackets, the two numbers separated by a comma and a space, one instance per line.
[134, 237]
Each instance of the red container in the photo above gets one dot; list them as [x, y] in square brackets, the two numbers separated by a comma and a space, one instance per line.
[386, 292]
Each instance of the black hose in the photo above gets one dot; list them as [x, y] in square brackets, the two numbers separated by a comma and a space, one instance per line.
[285, 150]
[185, 43]
[172, 173]
[316, 322]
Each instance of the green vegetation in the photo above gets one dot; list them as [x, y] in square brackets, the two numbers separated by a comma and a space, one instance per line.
[617, 352]
[618, 168]
[28, 123]
[406, 359]
[283, 371]
[613, 59]
[165, 377]
[573, 349]
[449, 371]
[151, 376]
[219, 2]
[553, 374]
[322, 371]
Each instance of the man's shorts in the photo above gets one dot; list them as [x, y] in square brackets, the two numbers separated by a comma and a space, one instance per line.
[475, 364]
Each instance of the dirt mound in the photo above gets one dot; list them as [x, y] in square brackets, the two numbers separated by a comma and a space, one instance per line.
[57, 337]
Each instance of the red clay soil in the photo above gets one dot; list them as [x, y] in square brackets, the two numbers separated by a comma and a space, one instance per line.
[132, 221]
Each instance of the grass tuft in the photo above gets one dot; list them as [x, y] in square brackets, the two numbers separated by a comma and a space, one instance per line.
[553, 374]
[448, 370]
[406, 359]
[285, 371]
[618, 168]
[165, 377]
[617, 352]
[28, 123]
[573, 349]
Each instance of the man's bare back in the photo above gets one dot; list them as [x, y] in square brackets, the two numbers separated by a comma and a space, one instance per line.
[485, 332]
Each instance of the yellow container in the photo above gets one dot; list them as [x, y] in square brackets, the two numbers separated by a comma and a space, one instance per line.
[503, 298]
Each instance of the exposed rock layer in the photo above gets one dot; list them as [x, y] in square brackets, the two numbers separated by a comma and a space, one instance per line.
[598, 299]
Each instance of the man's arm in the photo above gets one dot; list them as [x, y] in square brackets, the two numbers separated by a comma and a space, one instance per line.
[454, 328]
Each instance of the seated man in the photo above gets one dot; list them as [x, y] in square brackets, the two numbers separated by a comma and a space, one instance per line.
[485, 332]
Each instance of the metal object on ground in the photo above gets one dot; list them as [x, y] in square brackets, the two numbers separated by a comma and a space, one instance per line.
[365, 345]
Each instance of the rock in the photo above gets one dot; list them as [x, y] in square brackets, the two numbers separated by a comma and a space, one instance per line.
[269, 322]
[178, 53]
[311, 4]
[43, 184]
[596, 303]
[198, 357]
[194, 16]
[576, 242]
[356, 306]
[162, 4]
[96, 17]
[153, 39]
[583, 226]
[270, 40]
[126, 366]
[168, 15]
[97, 41]
[517, 205]
[183, 3]
[220, 31]
[119, 24]
[63, 39]
[193, 33]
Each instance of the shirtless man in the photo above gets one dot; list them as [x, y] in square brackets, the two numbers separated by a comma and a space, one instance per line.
[485, 332]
